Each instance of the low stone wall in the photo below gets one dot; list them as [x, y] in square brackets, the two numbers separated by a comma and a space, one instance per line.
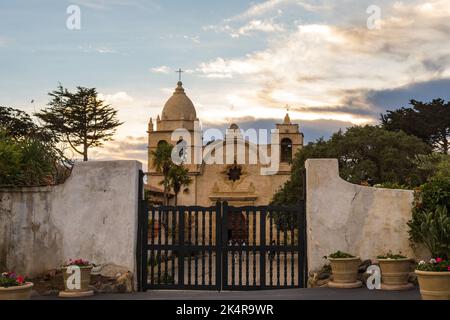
[360, 220]
[93, 215]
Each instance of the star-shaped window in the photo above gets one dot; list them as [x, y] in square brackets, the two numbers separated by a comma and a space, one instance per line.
[234, 173]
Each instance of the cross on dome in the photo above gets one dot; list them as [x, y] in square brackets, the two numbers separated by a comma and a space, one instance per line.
[179, 71]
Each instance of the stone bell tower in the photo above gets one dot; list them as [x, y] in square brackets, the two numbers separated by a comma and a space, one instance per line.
[178, 113]
[291, 140]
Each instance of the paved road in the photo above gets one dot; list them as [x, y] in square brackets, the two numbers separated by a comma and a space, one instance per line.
[288, 294]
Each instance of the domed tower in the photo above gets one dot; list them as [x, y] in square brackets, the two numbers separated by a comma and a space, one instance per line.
[178, 113]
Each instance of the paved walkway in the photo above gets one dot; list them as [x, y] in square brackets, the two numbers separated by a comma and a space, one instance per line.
[288, 294]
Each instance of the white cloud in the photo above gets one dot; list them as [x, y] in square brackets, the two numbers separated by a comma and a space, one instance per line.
[97, 49]
[123, 148]
[269, 6]
[161, 69]
[332, 66]
[118, 99]
[261, 26]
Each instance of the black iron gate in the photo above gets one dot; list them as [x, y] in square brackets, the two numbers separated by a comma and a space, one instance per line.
[221, 247]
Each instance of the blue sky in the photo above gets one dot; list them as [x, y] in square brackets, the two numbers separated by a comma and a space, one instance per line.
[245, 60]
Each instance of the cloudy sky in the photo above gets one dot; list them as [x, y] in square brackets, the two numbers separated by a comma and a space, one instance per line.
[334, 62]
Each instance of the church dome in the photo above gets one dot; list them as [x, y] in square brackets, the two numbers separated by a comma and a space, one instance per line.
[179, 106]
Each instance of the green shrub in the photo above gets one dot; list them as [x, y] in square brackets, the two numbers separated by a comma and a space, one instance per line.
[392, 256]
[26, 162]
[432, 229]
[340, 255]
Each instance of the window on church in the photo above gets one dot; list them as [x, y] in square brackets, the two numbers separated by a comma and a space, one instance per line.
[234, 173]
[286, 150]
[182, 149]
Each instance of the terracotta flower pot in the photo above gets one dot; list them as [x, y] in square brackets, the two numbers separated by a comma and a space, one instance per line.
[16, 293]
[395, 272]
[85, 273]
[434, 285]
[345, 270]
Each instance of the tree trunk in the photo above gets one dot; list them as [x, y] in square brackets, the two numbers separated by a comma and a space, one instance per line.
[85, 152]
[445, 147]
[166, 198]
[176, 199]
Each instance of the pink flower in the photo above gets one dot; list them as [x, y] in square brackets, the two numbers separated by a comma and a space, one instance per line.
[448, 268]
[20, 279]
[438, 260]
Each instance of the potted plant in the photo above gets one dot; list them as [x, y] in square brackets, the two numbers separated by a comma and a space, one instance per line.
[74, 287]
[14, 287]
[395, 269]
[344, 267]
[434, 279]
[430, 226]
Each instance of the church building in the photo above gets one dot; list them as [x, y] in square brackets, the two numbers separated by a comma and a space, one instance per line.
[240, 184]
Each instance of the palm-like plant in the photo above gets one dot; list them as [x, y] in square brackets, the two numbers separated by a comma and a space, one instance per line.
[178, 178]
[162, 160]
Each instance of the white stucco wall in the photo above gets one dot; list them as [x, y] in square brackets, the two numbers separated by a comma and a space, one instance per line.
[93, 215]
[360, 220]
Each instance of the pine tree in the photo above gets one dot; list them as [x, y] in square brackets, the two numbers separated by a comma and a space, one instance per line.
[81, 119]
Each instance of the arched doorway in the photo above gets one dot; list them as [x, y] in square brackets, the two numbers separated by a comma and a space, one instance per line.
[237, 227]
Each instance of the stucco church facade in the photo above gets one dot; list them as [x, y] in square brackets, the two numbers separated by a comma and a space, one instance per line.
[238, 183]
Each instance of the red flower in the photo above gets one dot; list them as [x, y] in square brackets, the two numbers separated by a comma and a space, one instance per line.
[438, 260]
[448, 268]
[20, 279]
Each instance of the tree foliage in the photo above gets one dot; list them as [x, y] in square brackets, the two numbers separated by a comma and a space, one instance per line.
[29, 154]
[81, 119]
[428, 121]
[17, 124]
[175, 177]
[28, 162]
[178, 178]
[162, 161]
[368, 155]
[430, 223]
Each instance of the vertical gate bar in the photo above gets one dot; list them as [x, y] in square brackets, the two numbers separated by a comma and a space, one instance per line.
[203, 246]
[271, 243]
[196, 212]
[262, 267]
[292, 218]
[145, 247]
[189, 244]
[221, 211]
[152, 252]
[210, 244]
[254, 247]
[303, 247]
[233, 267]
[301, 252]
[240, 249]
[224, 237]
[173, 240]
[278, 246]
[247, 251]
[166, 240]
[181, 246]
[285, 244]
[158, 254]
